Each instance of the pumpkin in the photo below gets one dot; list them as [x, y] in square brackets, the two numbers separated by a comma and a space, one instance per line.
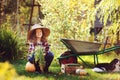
[30, 67]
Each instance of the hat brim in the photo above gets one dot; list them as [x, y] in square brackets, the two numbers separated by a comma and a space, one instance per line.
[31, 33]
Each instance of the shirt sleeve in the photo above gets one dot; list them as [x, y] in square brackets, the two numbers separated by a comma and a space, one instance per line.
[31, 48]
[46, 47]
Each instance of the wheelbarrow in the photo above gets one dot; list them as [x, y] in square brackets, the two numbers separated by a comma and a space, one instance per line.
[83, 48]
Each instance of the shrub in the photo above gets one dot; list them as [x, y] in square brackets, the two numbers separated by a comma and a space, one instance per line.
[9, 47]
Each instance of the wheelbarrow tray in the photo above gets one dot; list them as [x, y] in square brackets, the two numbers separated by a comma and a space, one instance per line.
[81, 47]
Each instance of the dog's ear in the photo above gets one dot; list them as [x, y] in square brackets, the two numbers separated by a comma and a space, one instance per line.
[114, 61]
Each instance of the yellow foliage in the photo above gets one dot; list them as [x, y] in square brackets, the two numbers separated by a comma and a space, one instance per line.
[91, 38]
[72, 3]
[73, 18]
[7, 72]
[89, 3]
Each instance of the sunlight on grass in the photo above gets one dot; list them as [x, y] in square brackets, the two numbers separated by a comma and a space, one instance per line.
[56, 74]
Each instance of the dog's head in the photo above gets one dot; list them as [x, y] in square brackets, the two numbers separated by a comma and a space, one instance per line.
[115, 64]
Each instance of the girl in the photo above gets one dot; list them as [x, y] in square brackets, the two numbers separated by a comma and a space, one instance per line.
[37, 37]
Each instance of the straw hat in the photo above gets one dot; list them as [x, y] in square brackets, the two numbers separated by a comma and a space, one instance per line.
[46, 31]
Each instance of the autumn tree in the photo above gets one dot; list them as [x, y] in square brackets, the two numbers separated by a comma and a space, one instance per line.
[67, 18]
[108, 10]
[72, 18]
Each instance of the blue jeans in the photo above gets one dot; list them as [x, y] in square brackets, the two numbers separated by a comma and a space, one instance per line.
[48, 59]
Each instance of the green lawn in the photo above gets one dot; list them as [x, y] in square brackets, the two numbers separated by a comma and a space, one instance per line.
[19, 65]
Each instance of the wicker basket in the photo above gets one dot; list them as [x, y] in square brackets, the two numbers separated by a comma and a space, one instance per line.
[70, 68]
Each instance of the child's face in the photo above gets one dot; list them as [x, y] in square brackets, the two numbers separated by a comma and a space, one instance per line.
[38, 33]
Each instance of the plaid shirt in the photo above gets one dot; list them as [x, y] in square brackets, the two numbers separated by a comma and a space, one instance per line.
[44, 45]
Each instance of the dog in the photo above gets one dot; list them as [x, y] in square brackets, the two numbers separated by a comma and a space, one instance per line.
[113, 66]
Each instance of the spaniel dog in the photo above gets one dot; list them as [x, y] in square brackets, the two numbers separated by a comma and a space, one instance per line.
[113, 66]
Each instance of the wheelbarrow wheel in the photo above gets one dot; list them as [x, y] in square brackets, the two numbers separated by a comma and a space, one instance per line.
[68, 60]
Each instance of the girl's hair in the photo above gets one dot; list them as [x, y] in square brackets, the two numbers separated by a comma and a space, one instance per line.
[33, 38]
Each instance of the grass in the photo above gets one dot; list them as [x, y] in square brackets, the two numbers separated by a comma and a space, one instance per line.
[19, 65]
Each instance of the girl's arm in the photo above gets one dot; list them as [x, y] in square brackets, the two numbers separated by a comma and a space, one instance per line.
[46, 47]
[30, 56]
[31, 48]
